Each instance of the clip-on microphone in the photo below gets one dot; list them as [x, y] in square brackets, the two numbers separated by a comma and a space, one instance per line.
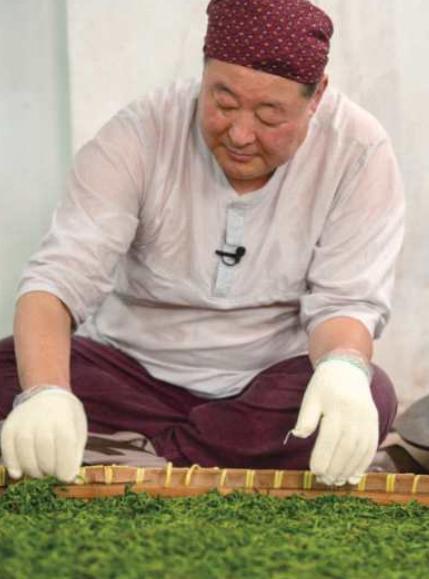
[235, 257]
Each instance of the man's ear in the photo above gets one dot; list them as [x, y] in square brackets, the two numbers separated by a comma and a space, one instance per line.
[320, 91]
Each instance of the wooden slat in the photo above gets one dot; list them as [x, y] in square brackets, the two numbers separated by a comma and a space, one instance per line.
[103, 491]
[105, 481]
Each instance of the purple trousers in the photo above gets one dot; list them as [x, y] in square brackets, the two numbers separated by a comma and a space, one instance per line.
[243, 431]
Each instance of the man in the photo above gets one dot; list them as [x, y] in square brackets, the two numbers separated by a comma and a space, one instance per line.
[225, 254]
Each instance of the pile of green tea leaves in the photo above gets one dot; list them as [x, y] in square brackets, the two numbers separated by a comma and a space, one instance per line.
[237, 536]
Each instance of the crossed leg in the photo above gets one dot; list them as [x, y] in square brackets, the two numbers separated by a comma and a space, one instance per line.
[244, 431]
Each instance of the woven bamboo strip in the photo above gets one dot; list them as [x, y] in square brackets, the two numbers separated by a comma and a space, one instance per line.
[111, 480]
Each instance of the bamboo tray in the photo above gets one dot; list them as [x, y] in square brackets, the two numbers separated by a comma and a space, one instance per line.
[108, 481]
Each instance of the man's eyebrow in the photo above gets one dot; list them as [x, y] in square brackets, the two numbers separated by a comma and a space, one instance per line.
[275, 105]
[219, 86]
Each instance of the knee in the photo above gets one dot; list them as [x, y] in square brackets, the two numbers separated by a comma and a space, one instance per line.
[386, 401]
[7, 346]
[8, 376]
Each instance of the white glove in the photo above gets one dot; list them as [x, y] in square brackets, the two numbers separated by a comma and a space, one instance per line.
[45, 434]
[339, 396]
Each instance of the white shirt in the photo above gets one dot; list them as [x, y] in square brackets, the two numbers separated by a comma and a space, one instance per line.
[131, 249]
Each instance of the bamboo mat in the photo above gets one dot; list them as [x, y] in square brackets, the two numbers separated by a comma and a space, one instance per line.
[108, 481]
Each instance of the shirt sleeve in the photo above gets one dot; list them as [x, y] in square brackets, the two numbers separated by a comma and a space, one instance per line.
[353, 265]
[95, 222]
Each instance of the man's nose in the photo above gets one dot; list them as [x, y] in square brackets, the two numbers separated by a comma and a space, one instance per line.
[242, 131]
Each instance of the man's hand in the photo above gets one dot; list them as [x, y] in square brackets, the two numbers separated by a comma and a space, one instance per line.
[339, 397]
[45, 435]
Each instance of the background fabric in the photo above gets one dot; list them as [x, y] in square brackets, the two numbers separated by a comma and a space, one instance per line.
[68, 66]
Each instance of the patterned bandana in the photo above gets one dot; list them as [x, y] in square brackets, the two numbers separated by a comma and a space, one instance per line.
[289, 38]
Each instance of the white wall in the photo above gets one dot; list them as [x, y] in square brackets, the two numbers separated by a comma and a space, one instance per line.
[34, 127]
[378, 59]
[118, 49]
[121, 49]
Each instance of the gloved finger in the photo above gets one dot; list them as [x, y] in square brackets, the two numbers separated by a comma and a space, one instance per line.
[358, 467]
[67, 455]
[328, 481]
[340, 482]
[367, 458]
[355, 480]
[349, 446]
[326, 444]
[308, 417]
[356, 460]
[26, 453]
[8, 451]
[81, 425]
[78, 463]
[45, 452]
[353, 468]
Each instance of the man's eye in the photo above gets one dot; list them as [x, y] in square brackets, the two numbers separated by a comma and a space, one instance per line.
[270, 123]
[226, 106]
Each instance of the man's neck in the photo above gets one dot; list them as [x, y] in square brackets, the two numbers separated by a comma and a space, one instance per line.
[243, 186]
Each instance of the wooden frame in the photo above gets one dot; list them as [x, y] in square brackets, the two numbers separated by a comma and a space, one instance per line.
[108, 481]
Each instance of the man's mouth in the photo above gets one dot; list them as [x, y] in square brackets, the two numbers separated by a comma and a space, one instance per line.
[239, 156]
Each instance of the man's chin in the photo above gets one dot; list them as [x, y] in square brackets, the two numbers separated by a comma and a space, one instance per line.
[244, 170]
[246, 182]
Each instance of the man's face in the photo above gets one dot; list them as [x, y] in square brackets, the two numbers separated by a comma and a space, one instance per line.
[252, 121]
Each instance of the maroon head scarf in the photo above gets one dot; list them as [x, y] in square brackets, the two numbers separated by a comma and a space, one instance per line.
[289, 38]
